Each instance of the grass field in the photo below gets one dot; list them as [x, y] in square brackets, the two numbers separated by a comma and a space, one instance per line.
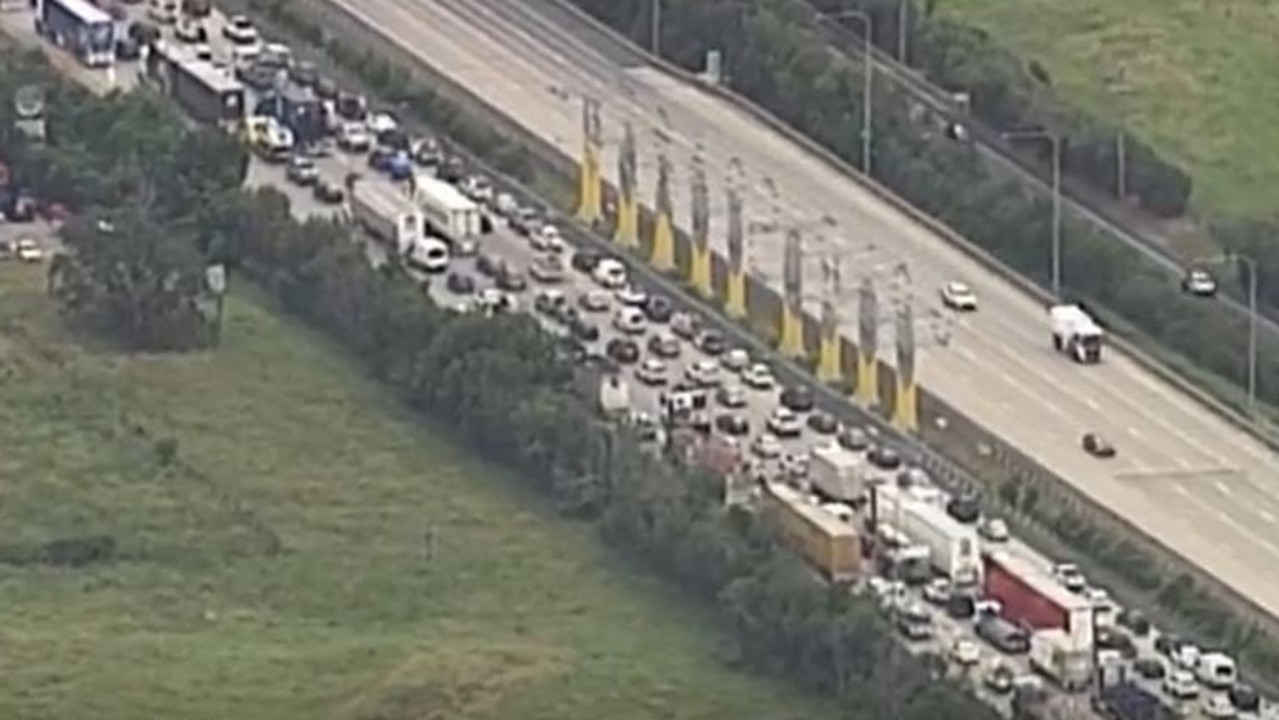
[518, 615]
[1192, 77]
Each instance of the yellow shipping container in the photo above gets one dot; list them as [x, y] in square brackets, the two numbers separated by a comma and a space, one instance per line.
[828, 543]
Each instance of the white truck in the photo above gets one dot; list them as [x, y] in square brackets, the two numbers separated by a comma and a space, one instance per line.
[837, 473]
[388, 215]
[1060, 658]
[449, 213]
[953, 546]
[1076, 334]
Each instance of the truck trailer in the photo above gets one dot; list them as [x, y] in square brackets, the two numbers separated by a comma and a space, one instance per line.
[837, 473]
[388, 215]
[827, 543]
[953, 546]
[1056, 655]
[449, 213]
[1030, 596]
[1076, 334]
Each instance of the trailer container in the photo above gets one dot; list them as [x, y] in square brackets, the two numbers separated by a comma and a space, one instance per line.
[953, 546]
[1055, 654]
[837, 473]
[1029, 595]
[449, 213]
[829, 544]
[387, 214]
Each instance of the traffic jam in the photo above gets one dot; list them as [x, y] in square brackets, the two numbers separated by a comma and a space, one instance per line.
[1027, 632]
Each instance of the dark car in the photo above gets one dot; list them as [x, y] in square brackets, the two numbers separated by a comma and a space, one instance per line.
[961, 607]
[304, 73]
[1003, 635]
[622, 351]
[664, 346]
[965, 507]
[1150, 668]
[1135, 621]
[823, 424]
[548, 304]
[999, 679]
[712, 343]
[584, 331]
[325, 89]
[731, 424]
[855, 439]
[884, 457]
[1244, 698]
[585, 261]
[143, 33]
[511, 280]
[658, 309]
[487, 265]
[1097, 446]
[460, 284]
[327, 193]
[797, 398]
[127, 49]
[1114, 639]
[452, 170]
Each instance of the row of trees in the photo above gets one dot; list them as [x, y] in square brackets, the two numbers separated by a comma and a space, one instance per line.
[134, 273]
[777, 54]
[503, 384]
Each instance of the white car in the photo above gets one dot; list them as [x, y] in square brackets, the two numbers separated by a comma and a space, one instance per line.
[958, 296]
[594, 301]
[937, 591]
[651, 372]
[477, 189]
[610, 273]
[631, 295]
[1199, 282]
[189, 30]
[704, 373]
[759, 376]
[965, 653]
[629, 320]
[354, 137]
[239, 30]
[766, 447]
[1069, 575]
[547, 269]
[1218, 707]
[547, 237]
[1180, 684]
[381, 122]
[736, 360]
[994, 530]
[794, 466]
[28, 251]
[784, 423]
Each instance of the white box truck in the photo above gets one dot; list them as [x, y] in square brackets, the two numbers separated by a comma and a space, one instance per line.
[1076, 334]
[837, 473]
[388, 214]
[449, 213]
[1059, 657]
[953, 547]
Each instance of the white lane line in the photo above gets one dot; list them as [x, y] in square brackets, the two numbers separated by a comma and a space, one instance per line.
[1134, 432]
[1266, 515]
[1222, 488]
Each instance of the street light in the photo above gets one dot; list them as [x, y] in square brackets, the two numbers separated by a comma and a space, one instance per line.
[1055, 141]
[868, 72]
[1252, 318]
[655, 44]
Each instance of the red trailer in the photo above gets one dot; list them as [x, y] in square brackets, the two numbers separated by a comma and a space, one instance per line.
[1030, 596]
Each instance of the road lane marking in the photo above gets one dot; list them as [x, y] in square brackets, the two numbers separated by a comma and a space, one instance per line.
[1222, 488]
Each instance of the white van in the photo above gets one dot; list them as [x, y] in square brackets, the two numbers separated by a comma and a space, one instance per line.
[430, 255]
[1180, 684]
[1216, 670]
[164, 12]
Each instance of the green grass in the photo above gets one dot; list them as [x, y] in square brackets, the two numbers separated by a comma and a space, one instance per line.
[1192, 77]
[519, 615]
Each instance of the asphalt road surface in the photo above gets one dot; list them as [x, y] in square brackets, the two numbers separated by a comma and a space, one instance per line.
[1183, 475]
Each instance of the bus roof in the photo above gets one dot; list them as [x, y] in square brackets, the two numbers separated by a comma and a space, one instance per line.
[218, 79]
[86, 11]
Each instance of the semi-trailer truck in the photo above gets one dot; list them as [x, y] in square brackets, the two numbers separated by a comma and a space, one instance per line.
[387, 214]
[826, 542]
[1076, 334]
[837, 473]
[1060, 658]
[449, 213]
[953, 546]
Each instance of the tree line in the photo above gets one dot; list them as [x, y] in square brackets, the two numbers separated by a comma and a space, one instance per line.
[506, 387]
[776, 53]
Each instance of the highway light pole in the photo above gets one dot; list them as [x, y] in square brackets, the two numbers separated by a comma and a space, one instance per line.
[1252, 319]
[655, 41]
[868, 74]
[1055, 141]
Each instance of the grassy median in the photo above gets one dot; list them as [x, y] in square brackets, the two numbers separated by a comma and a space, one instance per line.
[288, 545]
[1191, 77]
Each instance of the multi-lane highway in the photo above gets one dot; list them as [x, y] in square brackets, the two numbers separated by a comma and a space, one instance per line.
[1183, 475]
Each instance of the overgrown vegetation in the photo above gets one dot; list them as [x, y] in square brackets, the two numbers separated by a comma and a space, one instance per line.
[505, 388]
[1036, 502]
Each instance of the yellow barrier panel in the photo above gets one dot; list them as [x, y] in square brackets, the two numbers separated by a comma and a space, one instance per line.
[867, 380]
[588, 194]
[699, 271]
[627, 222]
[830, 366]
[663, 258]
[906, 410]
[735, 298]
[792, 335]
